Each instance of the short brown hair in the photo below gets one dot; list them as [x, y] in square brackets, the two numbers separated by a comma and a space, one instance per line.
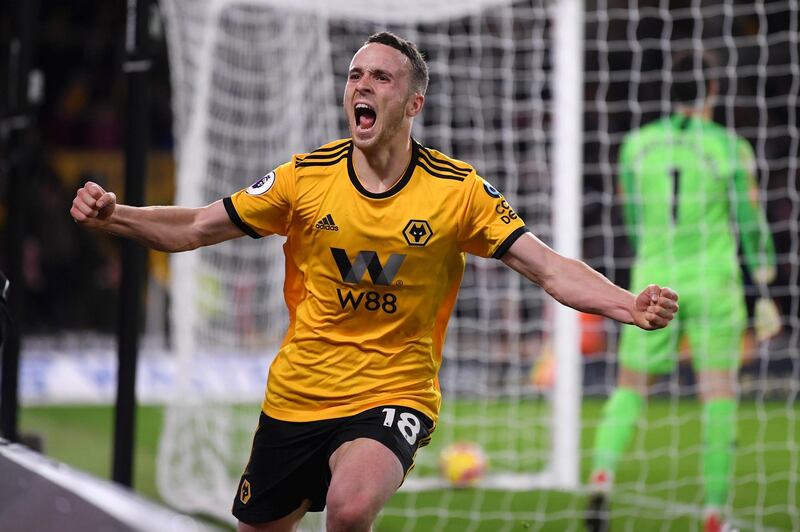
[419, 68]
[687, 87]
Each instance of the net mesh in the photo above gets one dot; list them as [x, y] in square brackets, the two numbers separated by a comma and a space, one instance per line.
[628, 53]
[257, 81]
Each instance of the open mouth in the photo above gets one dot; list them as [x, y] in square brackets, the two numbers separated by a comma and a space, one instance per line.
[365, 116]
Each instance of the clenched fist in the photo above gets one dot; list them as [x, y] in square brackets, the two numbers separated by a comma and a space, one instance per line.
[92, 205]
[655, 307]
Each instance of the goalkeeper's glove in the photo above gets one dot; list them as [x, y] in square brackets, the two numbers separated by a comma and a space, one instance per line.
[763, 275]
[767, 319]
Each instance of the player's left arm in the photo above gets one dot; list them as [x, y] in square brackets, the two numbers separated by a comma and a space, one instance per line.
[756, 240]
[575, 284]
[754, 233]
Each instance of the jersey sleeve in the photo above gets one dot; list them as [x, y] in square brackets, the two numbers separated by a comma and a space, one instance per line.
[265, 207]
[627, 191]
[488, 224]
[754, 233]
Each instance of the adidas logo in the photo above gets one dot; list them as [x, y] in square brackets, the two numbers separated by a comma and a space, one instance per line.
[327, 224]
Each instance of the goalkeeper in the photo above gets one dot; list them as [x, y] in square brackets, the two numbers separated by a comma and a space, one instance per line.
[377, 227]
[682, 180]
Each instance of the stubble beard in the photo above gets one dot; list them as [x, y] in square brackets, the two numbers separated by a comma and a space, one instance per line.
[391, 126]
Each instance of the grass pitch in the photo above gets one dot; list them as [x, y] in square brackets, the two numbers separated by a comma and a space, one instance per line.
[660, 487]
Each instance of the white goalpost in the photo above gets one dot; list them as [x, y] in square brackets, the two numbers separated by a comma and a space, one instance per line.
[567, 191]
[537, 95]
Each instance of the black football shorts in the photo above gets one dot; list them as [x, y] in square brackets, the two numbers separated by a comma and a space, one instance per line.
[289, 460]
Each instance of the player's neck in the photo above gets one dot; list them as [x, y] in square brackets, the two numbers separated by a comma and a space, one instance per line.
[380, 167]
[706, 112]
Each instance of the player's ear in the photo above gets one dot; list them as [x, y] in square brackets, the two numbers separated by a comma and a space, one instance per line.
[415, 104]
[713, 88]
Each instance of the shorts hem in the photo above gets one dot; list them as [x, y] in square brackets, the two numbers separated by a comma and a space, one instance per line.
[644, 368]
[387, 440]
[257, 518]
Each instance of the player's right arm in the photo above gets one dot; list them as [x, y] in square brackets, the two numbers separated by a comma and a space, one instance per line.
[627, 192]
[169, 228]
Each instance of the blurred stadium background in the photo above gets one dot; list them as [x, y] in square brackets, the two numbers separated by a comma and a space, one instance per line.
[273, 78]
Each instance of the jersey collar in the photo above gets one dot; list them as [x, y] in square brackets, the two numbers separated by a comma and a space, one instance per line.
[682, 122]
[397, 187]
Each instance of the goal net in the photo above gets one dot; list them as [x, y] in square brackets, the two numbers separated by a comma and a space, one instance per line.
[629, 50]
[258, 80]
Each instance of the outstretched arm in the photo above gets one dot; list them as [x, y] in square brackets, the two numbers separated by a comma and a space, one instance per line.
[163, 228]
[575, 284]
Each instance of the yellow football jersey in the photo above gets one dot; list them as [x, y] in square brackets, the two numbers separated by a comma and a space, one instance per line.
[371, 279]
